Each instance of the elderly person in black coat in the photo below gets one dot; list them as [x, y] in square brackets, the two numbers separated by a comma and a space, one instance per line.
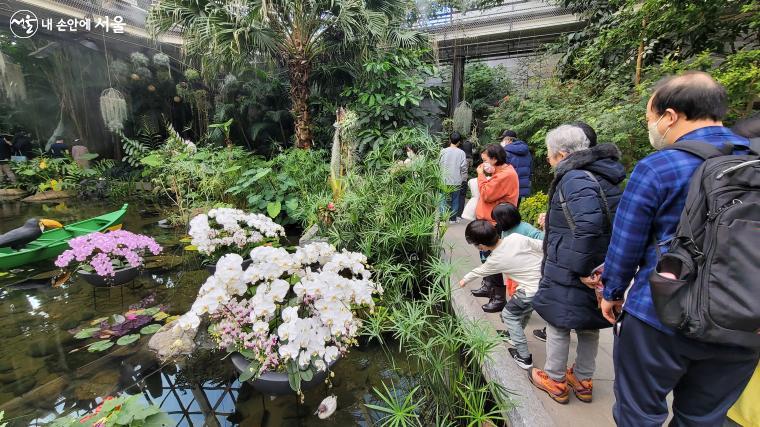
[583, 198]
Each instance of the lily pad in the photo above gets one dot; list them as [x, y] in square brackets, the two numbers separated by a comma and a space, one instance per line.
[128, 339]
[98, 320]
[151, 311]
[191, 248]
[160, 316]
[100, 346]
[150, 329]
[86, 333]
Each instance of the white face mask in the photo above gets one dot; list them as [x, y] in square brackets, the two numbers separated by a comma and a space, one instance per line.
[655, 139]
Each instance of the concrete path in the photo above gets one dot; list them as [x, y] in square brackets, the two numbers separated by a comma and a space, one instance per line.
[534, 407]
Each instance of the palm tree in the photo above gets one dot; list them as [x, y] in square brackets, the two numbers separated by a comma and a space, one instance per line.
[292, 33]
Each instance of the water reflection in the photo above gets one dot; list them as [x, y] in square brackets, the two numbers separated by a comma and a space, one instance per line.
[45, 372]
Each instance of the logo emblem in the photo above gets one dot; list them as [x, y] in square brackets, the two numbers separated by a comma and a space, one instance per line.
[24, 24]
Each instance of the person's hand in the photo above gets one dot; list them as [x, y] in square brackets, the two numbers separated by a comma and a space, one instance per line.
[462, 283]
[593, 280]
[480, 167]
[542, 220]
[611, 309]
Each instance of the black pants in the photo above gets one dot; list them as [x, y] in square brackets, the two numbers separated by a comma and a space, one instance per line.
[462, 195]
[706, 379]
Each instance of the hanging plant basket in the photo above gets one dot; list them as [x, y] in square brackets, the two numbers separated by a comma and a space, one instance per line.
[113, 109]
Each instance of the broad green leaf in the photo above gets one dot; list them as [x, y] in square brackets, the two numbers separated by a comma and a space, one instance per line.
[250, 371]
[291, 204]
[150, 329]
[128, 339]
[160, 419]
[151, 311]
[86, 333]
[232, 169]
[307, 375]
[160, 315]
[100, 346]
[191, 248]
[294, 379]
[274, 208]
[152, 160]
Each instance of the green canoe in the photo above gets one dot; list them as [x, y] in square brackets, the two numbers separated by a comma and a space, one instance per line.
[53, 242]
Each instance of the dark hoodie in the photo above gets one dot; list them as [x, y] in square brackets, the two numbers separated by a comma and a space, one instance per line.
[573, 251]
[518, 155]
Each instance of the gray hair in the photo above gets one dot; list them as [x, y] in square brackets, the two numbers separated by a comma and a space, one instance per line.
[566, 139]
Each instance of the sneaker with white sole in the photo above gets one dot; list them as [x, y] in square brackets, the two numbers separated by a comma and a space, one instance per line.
[540, 334]
[523, 362]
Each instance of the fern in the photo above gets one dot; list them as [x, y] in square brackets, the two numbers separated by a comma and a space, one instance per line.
[134, 150]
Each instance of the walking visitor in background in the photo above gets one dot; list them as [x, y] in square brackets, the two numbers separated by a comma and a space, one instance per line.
[519, 259]
[705, 378]
[583, 197]
[466, 146]
[59, 148]
[6, 150]
[454, 170]
[497, 183]
[22, 145]
[518, 155]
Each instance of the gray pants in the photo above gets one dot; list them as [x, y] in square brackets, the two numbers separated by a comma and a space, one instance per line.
[5, 170]
[558, 347]
[515, 315]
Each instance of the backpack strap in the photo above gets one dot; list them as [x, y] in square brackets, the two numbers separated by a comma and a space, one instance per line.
[701, 149]
[602, 196]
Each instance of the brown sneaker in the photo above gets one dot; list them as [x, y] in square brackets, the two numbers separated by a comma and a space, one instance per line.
[557, 390]
[581, 388]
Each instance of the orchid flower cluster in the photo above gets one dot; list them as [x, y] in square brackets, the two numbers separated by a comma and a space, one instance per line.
[286, 308]
[232, 229]
[105, 252]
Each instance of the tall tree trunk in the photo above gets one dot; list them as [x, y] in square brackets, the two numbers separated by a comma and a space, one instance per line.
[298, 73]
[640, 55]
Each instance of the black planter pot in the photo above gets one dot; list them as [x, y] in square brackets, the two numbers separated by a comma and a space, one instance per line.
[121, 277]
[212, 267]
[275, 383]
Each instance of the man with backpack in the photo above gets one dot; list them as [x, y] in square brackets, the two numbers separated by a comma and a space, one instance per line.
[666, 334]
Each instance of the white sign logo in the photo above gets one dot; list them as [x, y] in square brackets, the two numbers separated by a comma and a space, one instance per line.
[24, 24]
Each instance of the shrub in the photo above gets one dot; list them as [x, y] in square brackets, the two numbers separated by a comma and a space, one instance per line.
[532, 206]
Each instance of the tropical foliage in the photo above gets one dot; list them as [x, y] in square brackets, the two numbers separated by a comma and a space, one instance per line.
[294, 34]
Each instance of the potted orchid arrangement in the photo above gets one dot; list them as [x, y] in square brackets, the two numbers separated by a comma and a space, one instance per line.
[288, 316]
[228, 230]
[112, 258]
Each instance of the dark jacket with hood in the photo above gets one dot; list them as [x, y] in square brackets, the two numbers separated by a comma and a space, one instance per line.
[518, 155]
[573, 250]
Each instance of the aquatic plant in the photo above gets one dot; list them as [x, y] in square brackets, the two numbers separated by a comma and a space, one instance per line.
[104, 253]
[124, 329]
[116, 411]
[232, 230]
[289, 312]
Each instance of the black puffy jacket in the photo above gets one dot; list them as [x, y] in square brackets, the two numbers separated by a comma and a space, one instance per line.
[573, 250]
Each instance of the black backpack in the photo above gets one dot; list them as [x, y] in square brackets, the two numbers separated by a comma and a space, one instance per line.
[715, 253]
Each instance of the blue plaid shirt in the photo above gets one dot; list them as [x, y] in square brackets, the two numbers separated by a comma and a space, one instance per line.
[651, 206]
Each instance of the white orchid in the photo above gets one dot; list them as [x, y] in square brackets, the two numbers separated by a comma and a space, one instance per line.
[317, 325]
[232, 228]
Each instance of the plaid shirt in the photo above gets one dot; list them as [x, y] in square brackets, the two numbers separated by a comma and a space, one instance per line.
[651, 207]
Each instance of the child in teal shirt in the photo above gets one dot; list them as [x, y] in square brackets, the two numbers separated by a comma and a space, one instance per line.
[508, 221]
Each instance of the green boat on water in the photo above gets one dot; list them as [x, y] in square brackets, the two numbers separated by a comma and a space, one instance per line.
[53, 242]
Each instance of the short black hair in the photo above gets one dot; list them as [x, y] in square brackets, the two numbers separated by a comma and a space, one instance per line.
[507, 216]
[496, 151]
[409, 147]
[59, 138]
[694, 93]
[455, 137]
[481, 232]
[748, 127]
[588, 130]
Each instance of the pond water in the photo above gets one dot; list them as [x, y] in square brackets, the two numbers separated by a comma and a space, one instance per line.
[43, 375]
